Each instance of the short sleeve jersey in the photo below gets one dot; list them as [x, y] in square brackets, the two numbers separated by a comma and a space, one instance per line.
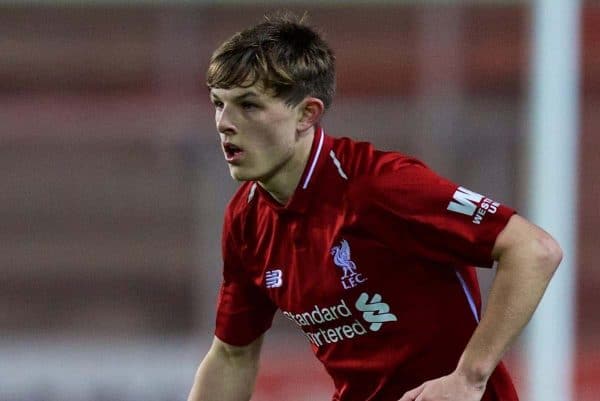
[372, 259]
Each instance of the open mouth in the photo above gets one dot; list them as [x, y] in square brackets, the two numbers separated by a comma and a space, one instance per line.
[232, 151]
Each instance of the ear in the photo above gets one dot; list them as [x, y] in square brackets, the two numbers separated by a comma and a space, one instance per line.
[310, 111]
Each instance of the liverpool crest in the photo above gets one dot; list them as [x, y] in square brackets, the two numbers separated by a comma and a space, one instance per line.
[342, 259]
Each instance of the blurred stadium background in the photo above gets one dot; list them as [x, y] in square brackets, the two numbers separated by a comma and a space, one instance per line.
[112, 184]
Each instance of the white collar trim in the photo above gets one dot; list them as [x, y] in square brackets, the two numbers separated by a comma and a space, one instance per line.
[314, 160]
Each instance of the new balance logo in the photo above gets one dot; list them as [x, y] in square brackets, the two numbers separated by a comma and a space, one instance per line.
[464, 201]
[374, 311]
[273, 278]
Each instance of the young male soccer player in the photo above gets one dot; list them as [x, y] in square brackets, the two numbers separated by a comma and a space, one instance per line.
[368, 252]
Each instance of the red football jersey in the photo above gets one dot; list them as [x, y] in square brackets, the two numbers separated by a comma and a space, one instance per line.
[371, 259]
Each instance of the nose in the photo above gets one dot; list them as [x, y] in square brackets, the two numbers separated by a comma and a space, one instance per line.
[224, 122]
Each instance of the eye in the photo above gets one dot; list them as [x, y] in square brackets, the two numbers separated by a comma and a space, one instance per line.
[218, 104]
[248, 106]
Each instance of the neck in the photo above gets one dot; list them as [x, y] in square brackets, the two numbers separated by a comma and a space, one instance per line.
[284, 182]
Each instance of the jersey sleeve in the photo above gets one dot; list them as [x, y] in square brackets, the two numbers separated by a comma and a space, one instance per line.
[244, 312]
[409, 207]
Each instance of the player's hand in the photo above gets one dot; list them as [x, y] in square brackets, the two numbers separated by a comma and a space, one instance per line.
[453, 387]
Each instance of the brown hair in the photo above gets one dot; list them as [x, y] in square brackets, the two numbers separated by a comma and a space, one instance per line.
[283, 54]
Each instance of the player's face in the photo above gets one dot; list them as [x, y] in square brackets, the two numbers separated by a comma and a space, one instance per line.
[258, 132]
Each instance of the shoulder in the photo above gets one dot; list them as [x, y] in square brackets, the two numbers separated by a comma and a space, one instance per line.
[380, 174]
[363, 159]
[382, 178]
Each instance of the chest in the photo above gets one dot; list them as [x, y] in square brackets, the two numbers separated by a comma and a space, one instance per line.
[306, 262]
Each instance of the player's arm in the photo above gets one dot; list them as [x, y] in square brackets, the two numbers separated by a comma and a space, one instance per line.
[227, 372]
[527, 258]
